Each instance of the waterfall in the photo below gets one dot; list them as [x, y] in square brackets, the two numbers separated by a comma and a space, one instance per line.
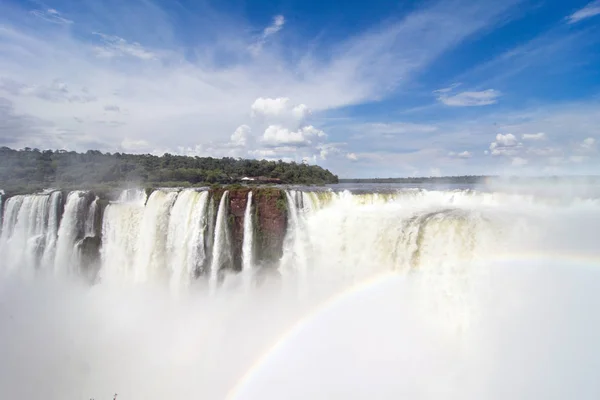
[132, 196]
[120, 232]
[90, 221]
[24, 231]
[185, 238]
[134, 244]
[294, 259]
[248, 242]
[209, 240]
[150, 262]
[54, 217]
[176, 237]
[221, 256]
[70, 231]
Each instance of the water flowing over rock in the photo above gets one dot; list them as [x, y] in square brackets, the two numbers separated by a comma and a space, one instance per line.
[179, 237]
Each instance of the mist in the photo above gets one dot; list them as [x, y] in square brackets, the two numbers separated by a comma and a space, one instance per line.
[476, 295]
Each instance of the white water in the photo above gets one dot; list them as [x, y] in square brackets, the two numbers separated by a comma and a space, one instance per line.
[134, 247]
[65, 262]
[248, 243]
[491, 296]
[221, 255]
[185, 238]
[90, 220]
[54, 216]
[23, 232]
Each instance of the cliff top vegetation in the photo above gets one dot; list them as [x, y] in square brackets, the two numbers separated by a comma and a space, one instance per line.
[28, 170]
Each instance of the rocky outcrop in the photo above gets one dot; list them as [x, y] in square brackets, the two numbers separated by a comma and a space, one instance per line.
[271, 218]
[238, 199]
[270, 222]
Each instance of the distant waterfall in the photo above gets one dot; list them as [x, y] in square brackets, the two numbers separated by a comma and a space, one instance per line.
[221, 255]
[248, 242]
[71, 229]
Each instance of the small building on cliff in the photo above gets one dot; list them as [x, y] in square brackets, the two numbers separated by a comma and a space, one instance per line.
[260, 179]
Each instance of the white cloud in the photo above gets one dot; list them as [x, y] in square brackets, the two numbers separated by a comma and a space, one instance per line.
[447, 89]
[505, 145]
[192, 96]
[352, 156]
[588, 144]
[327, 149]
[276, 135]
[280, 109]
[590, 10]
[276, 26]
[534, 136]
[469, 99]
[51, 15]
[240, 136]
[465, 154]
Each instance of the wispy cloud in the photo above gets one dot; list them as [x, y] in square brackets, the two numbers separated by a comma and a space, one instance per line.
[468, 99]
[51, 15]
[590, 10]
[463, 154]
[534, 136]
[196, 103]
[114, 46]
[276, 26]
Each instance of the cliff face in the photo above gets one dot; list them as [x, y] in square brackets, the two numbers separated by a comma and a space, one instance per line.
[271, 218]
[270, 222]
[238, 199]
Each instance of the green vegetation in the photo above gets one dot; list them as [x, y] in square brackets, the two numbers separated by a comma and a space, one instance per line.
[281, 204]
[28, 170]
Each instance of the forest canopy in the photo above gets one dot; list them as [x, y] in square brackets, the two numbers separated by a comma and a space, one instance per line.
[28, 169]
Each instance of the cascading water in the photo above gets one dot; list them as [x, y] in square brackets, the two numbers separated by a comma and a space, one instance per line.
[24, 232]
[54, 217]
[221, 256]
[134, 245]
[90, 221]
[70, 231]
[248, 243]
[294, 254]
[185, 239]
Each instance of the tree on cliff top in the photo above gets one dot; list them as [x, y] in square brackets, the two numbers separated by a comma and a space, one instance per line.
[32, 168]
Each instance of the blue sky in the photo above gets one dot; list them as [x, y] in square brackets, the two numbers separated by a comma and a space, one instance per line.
[366, 89]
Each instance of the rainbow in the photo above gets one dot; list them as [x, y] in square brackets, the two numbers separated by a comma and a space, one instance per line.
[577, 260]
